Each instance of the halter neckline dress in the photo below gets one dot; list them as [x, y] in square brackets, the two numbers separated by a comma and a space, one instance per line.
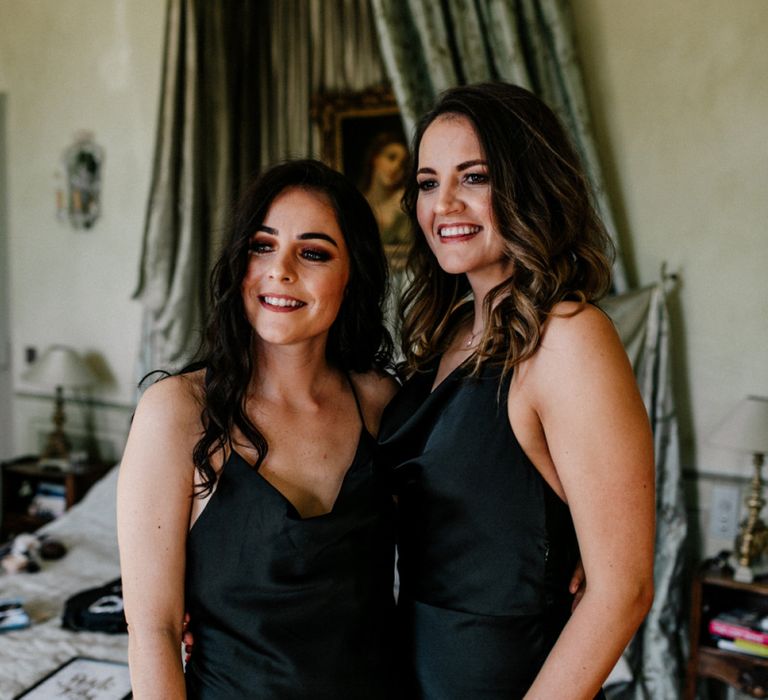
[486, 547]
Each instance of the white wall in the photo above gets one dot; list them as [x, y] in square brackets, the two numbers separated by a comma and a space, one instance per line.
[6, 411]
[679, 95]
[66, 66]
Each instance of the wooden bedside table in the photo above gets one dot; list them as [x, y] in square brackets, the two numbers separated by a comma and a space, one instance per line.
[19, 481]
[713, 593]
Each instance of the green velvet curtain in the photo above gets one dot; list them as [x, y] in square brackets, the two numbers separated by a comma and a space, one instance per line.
[430, 45]
[205, 147]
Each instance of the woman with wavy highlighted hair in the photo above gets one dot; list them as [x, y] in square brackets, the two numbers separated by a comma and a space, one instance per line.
[248, 495]
[519, 441]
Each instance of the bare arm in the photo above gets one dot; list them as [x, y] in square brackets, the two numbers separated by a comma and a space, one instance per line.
[153, 509]
[596, 431]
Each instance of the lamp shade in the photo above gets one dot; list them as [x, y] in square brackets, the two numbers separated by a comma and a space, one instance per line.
[60, 366]
[746, 428]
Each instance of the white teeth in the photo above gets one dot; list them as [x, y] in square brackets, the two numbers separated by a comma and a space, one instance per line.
[281, 301]
[449, 231]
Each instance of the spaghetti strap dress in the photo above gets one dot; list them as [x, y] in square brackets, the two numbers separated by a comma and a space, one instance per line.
[284, 607]
[486, 548]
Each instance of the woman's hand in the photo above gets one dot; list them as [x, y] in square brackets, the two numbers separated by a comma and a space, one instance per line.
[187, 639]
[578, 585]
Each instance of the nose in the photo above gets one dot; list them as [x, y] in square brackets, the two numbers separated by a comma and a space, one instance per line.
[281, 269]
[448, 201]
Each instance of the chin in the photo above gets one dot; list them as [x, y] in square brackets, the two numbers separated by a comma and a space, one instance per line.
[454, 264]
[275, 339]
[453, 268]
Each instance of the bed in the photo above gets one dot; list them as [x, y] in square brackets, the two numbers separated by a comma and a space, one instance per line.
[88, 531]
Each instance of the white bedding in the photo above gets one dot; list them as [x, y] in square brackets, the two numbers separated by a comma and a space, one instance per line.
[88, 531]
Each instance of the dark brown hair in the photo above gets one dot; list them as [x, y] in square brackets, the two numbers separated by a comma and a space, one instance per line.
[542, 207]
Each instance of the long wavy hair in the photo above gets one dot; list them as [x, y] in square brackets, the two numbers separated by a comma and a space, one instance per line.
[542, 207]
[357, 340]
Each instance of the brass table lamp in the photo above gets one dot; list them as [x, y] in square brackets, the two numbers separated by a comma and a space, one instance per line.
[746, 429]
[59, 367]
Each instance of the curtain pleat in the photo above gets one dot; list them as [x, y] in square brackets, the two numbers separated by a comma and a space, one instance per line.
[345, 46]
[172, 235]
[428, 46]
[410, 75]
[205, 148]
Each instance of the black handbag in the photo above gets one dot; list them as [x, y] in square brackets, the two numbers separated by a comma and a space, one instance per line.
[97, 609]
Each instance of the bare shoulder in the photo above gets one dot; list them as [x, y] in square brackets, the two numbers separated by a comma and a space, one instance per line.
[574, 326]
[580, 348]
[167, 420]
[577, 335]
[579, 361]
[177, 399]
[375, 389]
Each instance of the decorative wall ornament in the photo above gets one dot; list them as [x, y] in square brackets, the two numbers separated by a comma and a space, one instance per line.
[362, 136]
[341, 115]
[80, 198]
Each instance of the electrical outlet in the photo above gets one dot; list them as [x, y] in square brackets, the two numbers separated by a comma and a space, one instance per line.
[724, 512]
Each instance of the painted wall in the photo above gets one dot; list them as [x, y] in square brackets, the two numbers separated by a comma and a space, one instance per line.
[6, 410]
[679, 96]
[65, 67]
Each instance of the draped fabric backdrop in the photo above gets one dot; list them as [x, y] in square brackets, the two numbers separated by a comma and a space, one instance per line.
[204, 148]
[238, 76]
[429, 46]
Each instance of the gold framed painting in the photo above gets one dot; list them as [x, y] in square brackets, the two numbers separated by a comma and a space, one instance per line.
[362, 136]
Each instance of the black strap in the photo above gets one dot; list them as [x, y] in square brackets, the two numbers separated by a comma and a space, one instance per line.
[357, 402]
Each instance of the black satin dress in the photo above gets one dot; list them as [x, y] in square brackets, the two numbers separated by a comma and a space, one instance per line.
[486, 548]
[286, 608]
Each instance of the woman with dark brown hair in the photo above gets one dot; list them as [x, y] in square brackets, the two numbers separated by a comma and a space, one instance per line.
[248, 495]
[519, 441]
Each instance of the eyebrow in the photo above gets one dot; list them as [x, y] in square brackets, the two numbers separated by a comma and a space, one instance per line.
[461, 166]
[308, 236]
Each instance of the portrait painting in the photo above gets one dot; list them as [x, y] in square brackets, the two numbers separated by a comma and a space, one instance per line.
[362, 136]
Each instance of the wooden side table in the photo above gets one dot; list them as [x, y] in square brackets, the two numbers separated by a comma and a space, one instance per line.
[21, 477]
[713, 593]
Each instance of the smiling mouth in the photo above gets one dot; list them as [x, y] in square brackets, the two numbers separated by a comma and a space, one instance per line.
[280, 303]
[461, 232]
